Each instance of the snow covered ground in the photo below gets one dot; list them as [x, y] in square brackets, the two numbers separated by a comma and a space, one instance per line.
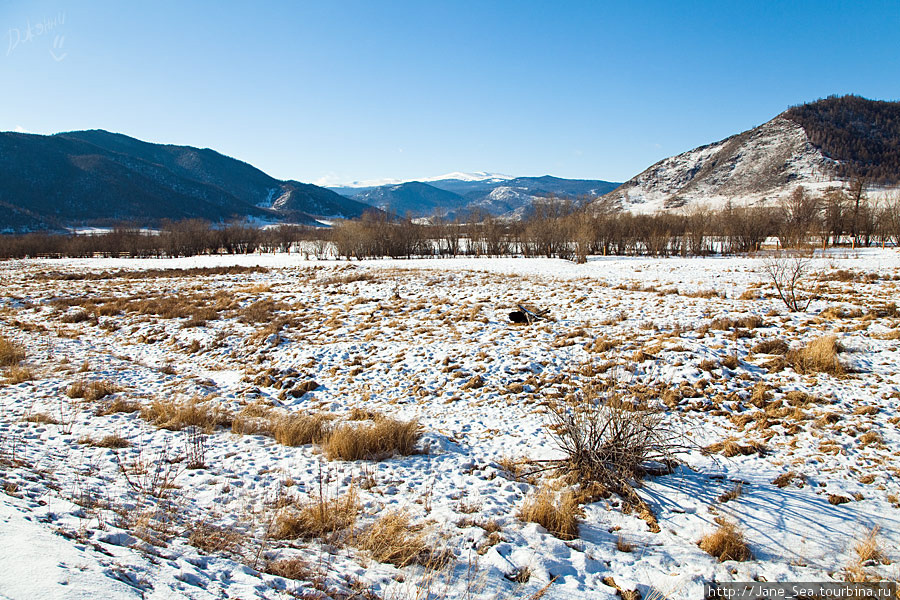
[430, 340]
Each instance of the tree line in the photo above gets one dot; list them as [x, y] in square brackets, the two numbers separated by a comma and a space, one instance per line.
[554, 228]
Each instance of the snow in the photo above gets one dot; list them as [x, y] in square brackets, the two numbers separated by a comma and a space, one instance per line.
[456, 175]
[403, 337]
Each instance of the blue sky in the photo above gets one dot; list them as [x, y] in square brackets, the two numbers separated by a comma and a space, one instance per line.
[340, 91]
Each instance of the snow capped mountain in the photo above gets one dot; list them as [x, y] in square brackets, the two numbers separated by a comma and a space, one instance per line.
[816, 145]
[477, 176]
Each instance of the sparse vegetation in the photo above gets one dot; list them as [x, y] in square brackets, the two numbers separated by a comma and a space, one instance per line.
[372, 441]
[557, 512]
[818, 356]
[179, 414]
[726, 542]
[11, 353]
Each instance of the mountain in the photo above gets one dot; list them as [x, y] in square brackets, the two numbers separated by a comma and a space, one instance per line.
[97, 178]
[816, 145]
[412, 198]
[460, 193]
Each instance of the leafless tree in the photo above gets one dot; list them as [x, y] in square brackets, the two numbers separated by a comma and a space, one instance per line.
[789, 271]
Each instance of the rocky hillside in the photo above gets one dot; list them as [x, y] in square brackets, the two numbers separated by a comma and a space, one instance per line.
[816, 145]
[98, 178]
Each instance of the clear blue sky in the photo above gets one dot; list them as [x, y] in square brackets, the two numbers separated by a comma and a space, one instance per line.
[338, 91]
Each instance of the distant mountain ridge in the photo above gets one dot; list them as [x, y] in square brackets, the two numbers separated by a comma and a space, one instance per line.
[98, 178]
[504, 196]
[817, 145]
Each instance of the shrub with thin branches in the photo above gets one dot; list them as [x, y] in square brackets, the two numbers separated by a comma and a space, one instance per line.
[608, 441]
[788, 272]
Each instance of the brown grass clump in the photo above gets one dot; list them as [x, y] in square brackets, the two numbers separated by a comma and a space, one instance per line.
[319, 517]
[868, 549]
[372, 441]
[836, 499]
[11, 353]
[818, 356]
[295, 567]
[18, 374]
[393, 539]
[176, 415]
[557, 513]
[299, 429]
[731, 494]
[730, 447]
[213, 539]
[785, 479]
[113, 440]
[726, 543]
[92, 391]
[42, 418]
[117, 405]
[770, 346]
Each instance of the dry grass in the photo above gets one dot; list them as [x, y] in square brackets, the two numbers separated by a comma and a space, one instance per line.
[818, 356]
[295, 567]
[786, 479]
[319, 517]
[730, 447]
[731, 494]
[93, 390]
[770, 346]
[176, 415]
[393, 539]
[372, 440]
[868, 549]
[42, 418]
[18, 374]
[117, 405]
[113, 440]
[558, 513]
[726, 543]
[11, 353]
[213, 539]
[298, 429]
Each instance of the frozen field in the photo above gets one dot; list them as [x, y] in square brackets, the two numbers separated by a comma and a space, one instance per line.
[104, 496]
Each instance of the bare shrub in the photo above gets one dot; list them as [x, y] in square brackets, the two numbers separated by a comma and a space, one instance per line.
[319, 517]
[372, 441]
[818, 356]
[393, 539]
[176, 415]
[788, 272]
[11, 353]
[556, 512]
[726, 543]
[608, 441]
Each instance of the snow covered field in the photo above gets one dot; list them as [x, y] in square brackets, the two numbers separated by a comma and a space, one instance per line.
[100, 499]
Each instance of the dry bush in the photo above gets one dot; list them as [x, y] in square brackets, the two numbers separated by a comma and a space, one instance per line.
[837, 499]
[608, 441]
[770, 346]
[785, 479]
[92, 391]
[18, 374]
[731, 494]
[868, 549]
[393, 539]
[176, 415]
[11, 353]
[818, 356]
[299, 429]
[788, 272]
[319, 517]
[372, 441]
[726, 543]
[558, 513]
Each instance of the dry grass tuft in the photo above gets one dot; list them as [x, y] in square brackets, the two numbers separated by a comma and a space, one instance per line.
[117, 405]
[770, 346]
[298, 429]
[726, 543]
[176, 415]
[372, 441]
[731, 494]
[11, 353]
[393, 539]
[42, 418]
[295, 567]
[558, 513]
[868, 549]
[18, 374]
[818, 356]
[113, 440]
[92, 391]
[786, 479]
[213, 539]
[319, 517]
